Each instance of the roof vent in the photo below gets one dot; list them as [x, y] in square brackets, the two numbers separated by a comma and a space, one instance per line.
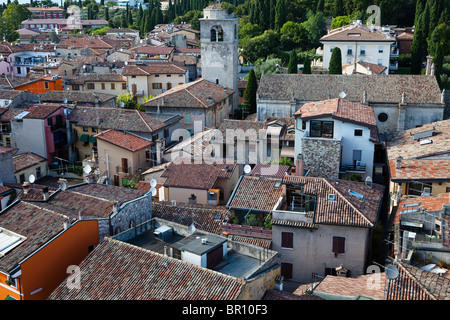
[331, 197]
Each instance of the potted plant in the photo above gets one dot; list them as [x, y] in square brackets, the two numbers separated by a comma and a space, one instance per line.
[441, 263]
[428, 257]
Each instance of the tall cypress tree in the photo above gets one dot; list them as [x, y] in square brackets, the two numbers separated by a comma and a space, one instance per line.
[273, 4]
[435, 13]
[106, 14]
[307, 66]
[250, 93]
[438, 62]
[417, 47]
[292, 65]
[335, 66]
[280, 14]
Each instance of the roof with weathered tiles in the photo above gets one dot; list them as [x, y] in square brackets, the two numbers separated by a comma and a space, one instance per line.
[339, 109]
[414, 283]
[42, 111]
[119, 271]
[403, 143]
[420, 169]
[74, 96]
[347, 209]
[198, 94]
[153, 50]
[108, 192]
[256, 193]
[193, 175]
[352, 33]
[114, 118]
[26, 160]
[37, 224]
[353, 287]
[124, 140]
[380, 89]
[97, 77]
[270, 170]
[154, 68]
[205, 218]
[427, 203]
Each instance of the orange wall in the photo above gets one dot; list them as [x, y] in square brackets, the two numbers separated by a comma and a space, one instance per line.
[38, 87]
[6, 290]
[48, 267]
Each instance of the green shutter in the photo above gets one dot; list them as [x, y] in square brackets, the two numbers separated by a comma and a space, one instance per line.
[84, 138]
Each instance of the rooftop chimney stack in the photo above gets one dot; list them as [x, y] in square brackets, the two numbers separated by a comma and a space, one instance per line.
[398, 162]
[299, 165]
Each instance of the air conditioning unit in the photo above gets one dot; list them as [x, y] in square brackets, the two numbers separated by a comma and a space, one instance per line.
[213, 197]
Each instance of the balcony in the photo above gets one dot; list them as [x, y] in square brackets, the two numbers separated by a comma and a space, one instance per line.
[353, 167]
[28, 61]
[137, 93]
[124, 171]
[394, 53]
[393, 65]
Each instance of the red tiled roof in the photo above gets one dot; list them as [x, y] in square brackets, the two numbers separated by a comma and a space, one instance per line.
[37, 224]
[154, 68]
[124, 140]
[338, 109]
[153, 50]
[108, 192]
[200, 93]
[42, 111]
[270, 170]
[193, 175]
[256, 193]
[92, 43]
[403, 143]
[353, 33]
[119, 271]
[430, 203]
[25, 160]
[420, 169]
[347, 209]
[414, 283]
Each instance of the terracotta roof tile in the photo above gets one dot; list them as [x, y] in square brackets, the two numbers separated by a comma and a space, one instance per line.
[26, 160]
[124, 140]
[420, 169]
[338, 109]
[119, 271]
[270, 170]
[356, 33]
[154, 68]
[403, 143]
[196, 175]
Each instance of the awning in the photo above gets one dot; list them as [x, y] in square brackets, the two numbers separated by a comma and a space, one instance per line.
[92, 139]
[84, 138]
[287, 152]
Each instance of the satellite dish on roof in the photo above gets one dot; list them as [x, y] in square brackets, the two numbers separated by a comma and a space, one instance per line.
[122, 104]
[153, 183]
[153, 191]
[31, 178]
[391, 272]
[65, 100]
[87, 169]
[247, 169]
[342, 95]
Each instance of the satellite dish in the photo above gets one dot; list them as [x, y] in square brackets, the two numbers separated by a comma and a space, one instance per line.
[342, 95]
[391, 272]
[153, 191]
[153, 183]
[192, 228]
[31, 178]
[122, 104]
[247, 169]
[87, 169]
[65, 100]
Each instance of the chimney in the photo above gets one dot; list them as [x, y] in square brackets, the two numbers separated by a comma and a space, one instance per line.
[66, 224]
[80, 215]
[443, 96]
[364, 97]
[398, 162]
[160, 146]
[299, 165]
[45, 193]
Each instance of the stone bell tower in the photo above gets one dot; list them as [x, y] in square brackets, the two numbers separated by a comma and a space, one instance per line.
[219, 48]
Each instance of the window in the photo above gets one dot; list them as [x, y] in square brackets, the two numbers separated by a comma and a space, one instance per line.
[166, 133]
[287, 240]
[22, 178]
[382, 117]
[156, 75]
[169, 75]
[338, 245]
[169, 86]
[447, 189]
[157, 85]
[113, 86]
[362, 50]
[85, 129]
[50, 122]
[76, 87]
[380, 49]
[380, 62]
[321, 129]
[187, 119]
[94, 130]
[286, 270]
[19, 70]
[349, 50]
[103, 86]
[38, 172]
[241, 93]
[91, 86]
[45, 84]
[124, 86]
[331, 48]
[358, 132]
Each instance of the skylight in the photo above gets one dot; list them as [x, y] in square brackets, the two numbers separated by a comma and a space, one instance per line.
[8, 241]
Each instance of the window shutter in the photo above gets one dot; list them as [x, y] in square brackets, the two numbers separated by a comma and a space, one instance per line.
[287, 240]
[338, 244]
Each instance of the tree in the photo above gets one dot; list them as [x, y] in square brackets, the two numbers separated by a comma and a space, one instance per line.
[292, 66]
[418, 46]
[250, 93]
[338, 8]
[335, 66]
[128, 102]
[307, 66]
[315, 28]
[261, 46]
[280, 14]
[438, 61]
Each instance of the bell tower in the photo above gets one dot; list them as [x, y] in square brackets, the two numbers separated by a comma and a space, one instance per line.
[219, 48]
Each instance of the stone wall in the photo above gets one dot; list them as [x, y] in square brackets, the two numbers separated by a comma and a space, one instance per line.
[131, 213]
[322, 157]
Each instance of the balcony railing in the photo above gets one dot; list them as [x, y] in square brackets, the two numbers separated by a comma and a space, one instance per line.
[124, 171]
[353, 167]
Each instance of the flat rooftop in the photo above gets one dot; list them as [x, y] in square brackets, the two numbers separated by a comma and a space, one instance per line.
[234, 264]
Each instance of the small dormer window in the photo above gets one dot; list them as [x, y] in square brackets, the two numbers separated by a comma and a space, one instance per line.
[331, 197]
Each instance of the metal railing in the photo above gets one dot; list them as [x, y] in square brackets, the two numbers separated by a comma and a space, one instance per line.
[361, 167]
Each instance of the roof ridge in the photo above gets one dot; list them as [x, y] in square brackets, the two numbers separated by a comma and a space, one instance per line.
[419, 283]
[95, 197]
[142, 118]
[46, 209]
[201, 102]
[347, 201]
